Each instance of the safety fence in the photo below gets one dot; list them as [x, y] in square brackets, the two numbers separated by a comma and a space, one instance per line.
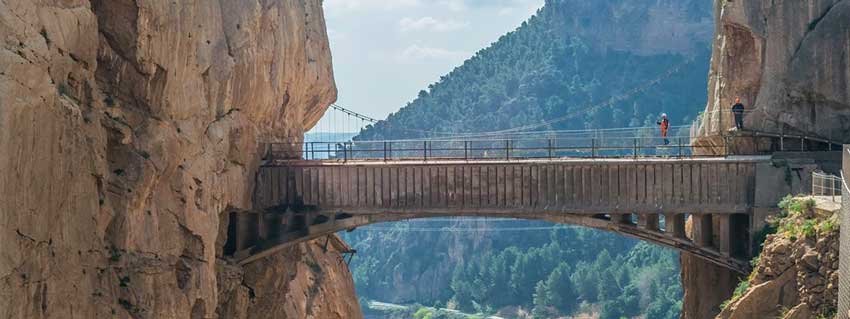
[844, 248]
[827, 185]
[717, 122]
[723, 123]
[490, 149]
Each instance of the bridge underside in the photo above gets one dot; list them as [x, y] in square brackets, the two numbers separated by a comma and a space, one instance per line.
[722, 239]
[648, 199]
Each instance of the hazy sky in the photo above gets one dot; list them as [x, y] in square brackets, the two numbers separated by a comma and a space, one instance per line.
[385, 51]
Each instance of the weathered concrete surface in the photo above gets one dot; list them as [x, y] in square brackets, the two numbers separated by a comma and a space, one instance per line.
[126, 127]
[578, 186]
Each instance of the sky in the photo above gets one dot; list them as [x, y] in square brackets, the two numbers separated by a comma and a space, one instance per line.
[386, 51]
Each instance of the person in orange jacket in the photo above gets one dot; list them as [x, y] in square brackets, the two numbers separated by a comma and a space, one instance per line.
[665, 125]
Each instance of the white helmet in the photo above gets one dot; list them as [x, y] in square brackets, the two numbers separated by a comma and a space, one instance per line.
[664, 115]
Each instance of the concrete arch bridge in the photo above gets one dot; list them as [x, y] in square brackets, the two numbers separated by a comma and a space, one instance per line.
[629, 181]
[646, 198]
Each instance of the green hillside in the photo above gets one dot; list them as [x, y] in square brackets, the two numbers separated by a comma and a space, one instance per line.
[542, 71]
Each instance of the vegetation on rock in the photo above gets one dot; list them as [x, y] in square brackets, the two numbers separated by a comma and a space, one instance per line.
[796, 275]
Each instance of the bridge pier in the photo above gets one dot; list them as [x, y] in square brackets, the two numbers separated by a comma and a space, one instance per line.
[674, 225]
[622, 219]
[648, 222]
[703, 230]
[724, 240]
[246, 227]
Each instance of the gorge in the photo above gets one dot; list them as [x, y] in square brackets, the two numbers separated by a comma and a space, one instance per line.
[130, 129]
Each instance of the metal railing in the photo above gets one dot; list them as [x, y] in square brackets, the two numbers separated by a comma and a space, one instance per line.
[489, 149]
[722, 123]
[827, 185]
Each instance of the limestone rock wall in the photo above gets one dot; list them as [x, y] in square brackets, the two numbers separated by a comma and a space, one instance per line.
[793, 279]
[705, 286]
[789, 61]
[641, 27]
[127, 127]
[309, 280]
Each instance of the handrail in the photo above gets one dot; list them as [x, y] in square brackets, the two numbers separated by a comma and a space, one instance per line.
[507, 149]
[826, 185]
[526, 147]
[712, 123]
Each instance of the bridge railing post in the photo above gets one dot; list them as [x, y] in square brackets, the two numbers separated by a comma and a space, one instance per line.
[593, 148]
[550, 148]
[507, 150]
[465, 150]
[385, 151]
[681, 145]
[425, 150]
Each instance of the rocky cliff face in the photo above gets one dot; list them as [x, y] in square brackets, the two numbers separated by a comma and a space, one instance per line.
[127, 127]
[789, 61]
[793, 279]
[640, 27]
[796, 275]
[705, 285]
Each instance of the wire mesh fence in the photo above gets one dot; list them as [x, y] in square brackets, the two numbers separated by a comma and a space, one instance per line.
[601, 146]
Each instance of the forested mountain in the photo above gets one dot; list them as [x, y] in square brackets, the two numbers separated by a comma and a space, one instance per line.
[488, 267]
[577, 59]
[596, 64]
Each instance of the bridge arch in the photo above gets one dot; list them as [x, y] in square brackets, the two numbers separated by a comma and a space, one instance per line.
[254, 236]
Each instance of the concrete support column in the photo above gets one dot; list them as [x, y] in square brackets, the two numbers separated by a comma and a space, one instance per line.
[702, 226]
[674, 225]
[648, 221]
[262, 227]
[724, 238]
[287, 222]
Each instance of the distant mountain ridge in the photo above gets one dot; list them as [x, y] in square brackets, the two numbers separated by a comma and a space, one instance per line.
[568, 56]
